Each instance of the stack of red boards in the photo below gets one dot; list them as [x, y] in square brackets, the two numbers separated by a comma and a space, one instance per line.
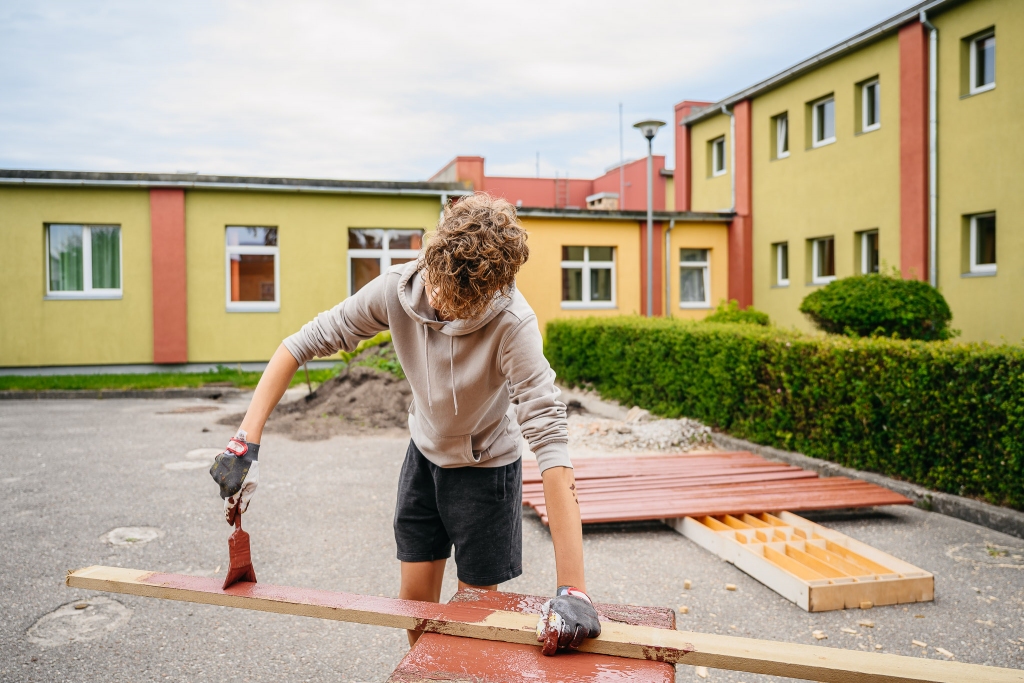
[655, 487]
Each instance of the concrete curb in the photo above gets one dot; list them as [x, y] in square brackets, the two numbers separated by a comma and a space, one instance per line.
[992, 516]
[188, 392]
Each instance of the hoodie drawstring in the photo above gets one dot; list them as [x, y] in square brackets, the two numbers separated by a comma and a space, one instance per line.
[451, 365]
[426, 365]
[455, 399]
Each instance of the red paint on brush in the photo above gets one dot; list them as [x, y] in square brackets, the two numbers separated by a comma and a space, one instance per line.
[239, 556]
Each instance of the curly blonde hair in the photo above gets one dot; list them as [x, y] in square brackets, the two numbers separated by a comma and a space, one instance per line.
[474, 256]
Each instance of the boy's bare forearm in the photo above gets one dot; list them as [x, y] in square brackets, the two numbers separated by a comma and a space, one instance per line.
[564, 522]
[271, 388]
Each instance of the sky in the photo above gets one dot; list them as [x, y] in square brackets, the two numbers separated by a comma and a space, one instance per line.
[380, 90]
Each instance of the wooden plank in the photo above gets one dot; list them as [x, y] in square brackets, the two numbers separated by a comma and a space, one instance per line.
[808, 662]
[437, 657]
[790, 565]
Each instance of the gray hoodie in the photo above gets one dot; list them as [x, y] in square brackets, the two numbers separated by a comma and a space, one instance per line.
[476, 384]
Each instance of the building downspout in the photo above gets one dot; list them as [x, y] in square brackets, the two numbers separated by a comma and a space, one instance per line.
[732, 154]
[444, 202]
[668, 267]
[933, 145]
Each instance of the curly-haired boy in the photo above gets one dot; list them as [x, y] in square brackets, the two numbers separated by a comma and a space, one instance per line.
[469, 344]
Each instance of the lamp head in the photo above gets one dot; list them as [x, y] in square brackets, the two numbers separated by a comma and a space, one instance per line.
[649, 128]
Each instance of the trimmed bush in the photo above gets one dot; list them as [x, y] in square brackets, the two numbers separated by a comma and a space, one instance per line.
[880, 305]
[730, 312]
[945, 415]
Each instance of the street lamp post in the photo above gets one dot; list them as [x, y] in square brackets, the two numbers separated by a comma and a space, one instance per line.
[649, 130]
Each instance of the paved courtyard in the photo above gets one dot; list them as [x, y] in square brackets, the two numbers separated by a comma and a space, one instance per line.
[73, 471]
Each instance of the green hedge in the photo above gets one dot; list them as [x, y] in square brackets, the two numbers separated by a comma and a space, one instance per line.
[946, 415]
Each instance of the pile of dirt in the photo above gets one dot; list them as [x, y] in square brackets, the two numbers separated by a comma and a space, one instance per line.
[360, 400]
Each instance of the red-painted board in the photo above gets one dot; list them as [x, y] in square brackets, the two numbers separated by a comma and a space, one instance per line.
[653, 487]
[438, 657]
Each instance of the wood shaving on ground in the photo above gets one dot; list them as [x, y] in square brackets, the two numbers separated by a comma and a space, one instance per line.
[819, 635]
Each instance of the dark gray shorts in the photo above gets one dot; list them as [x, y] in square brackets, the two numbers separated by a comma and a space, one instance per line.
[478, 509]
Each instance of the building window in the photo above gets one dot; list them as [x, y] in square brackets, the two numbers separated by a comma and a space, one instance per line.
[823, 260]
[718, 156]
[983, 243]
[983, 63]
[871, 106]
[588, 277]
[869, 252]
[823, 122]
[252, 270]
[373, 251]
[83, 261]
[694, 278]
[782, 136]
[782, 264]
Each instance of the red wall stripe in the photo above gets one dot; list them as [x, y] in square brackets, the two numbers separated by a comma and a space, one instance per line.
[913, 151]
[170, 322]
[741, 231]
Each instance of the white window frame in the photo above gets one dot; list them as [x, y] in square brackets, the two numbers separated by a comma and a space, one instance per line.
[815, 278]
[585, 265]
[385, 254]
[781, 133]
[781, 256]
[252, 306]
[864, 126]
[87, 289]
[704, 265]
[865, 242]
[718, 165]
[975, 88]
[981, 268]
[815, 142]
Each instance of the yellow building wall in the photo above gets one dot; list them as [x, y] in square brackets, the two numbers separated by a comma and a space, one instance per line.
[313, 253]
[707, 192]
[670, 194]
[981, 169]
[540, 279]
[713, 236]
[839, 189]
[36, 331]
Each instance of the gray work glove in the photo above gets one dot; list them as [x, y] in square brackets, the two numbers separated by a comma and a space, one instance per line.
[566, 620]
[237, 472]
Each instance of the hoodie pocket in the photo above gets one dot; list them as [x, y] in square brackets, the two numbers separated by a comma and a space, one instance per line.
[451, 451]
[499, 442]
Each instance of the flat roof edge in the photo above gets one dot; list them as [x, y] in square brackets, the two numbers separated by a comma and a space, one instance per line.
[192, 181]
[594, 214]
[865, 37]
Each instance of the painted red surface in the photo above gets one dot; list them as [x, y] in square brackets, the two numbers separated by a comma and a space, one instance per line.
[559, 192]
[741, 230]
[682, 184]
[441, 657]
[913, 45]
[635, 488]
[540, 192]
[167, 229]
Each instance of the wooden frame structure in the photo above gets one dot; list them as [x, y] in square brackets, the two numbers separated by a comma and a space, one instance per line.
[817, 568]
[808, 662]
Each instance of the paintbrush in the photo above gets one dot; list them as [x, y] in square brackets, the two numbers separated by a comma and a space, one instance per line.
[239, 556]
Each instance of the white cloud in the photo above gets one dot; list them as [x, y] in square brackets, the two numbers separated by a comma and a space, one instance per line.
[377, 90]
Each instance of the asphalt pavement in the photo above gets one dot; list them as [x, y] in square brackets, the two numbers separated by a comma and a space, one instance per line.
[125, 483]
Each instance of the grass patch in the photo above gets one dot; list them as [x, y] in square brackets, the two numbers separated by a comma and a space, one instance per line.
[222, 376]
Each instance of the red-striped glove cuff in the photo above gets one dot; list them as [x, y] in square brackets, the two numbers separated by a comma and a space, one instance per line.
[574, 592]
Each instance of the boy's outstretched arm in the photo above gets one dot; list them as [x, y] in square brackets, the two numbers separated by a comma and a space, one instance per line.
[272, 385]
[566, 529]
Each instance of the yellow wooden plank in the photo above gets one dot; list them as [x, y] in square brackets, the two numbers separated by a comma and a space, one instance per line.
[734, 523]
[823, 568]
[753, 521]
[837, 561]
[807, 662]
[849, 555]
[791, 565]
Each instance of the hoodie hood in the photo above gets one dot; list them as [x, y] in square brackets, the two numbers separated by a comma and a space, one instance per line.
[413, 296]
